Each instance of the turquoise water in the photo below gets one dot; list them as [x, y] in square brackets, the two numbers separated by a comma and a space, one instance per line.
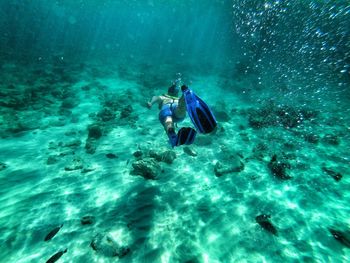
[85, 164]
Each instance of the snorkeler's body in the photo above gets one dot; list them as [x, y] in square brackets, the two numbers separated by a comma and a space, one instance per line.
[173, 110]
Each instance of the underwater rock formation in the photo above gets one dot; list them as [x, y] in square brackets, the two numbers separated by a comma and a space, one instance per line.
[221, 169]
[335, 175]
[264, 221]
[75, 164]
[167, 156]
[106, 114]
[148, 168]
[230, 162]
[52, 233]
[111, 156]
[106, 246]
[138, 154]
[331, 139]
[126, 112]
[341, 237]
[278, 168]
[190, 151]
[87, 220]
[311, 138]
[2, 166]
[95, 131]
[278, 115]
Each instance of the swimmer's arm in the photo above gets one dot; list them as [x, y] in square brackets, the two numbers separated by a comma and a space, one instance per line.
[153, 100]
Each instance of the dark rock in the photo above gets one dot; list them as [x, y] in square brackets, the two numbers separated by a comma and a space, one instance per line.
[90, 146]
[264, 222]
[311, 138]
[69, 103]
[138, 154]
[76, 164]
[335, 175]
[111, 156]
[2, 166]
[105, 245]
[87, 220]
[95, 131]
[274, 115]
[13, 102]
[230, 162]
[278, 168]
[51, 160]
[155, 155]
[126, 112]
[106, 114]
[341, 237]
[331, 139]
[168, 157]
[189, 151]
[148, 168]
[225, 168]
[73, 144]
[87, 170]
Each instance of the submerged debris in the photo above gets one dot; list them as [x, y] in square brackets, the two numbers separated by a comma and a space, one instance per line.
[264, 221]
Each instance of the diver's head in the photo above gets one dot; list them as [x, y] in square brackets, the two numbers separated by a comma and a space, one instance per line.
[173, 90]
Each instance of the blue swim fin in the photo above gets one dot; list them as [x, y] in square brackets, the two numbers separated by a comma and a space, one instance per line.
[200, 114]
[186, 135]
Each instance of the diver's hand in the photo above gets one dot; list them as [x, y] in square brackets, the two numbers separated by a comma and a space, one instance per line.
[149, 105]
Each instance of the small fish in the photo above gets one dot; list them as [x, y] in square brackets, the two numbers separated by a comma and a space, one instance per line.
[340, 237]
[52, 233]
[336, 176]
[264, 222]
[56, 256]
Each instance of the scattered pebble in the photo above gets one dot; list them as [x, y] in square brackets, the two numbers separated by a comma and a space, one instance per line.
[106, 246]
[189, 151]
[138, 154]
[111, 156]
[87, 220]
[51, 160]
[2, 166]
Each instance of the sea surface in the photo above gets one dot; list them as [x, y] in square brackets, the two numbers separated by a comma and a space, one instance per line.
[86, 170]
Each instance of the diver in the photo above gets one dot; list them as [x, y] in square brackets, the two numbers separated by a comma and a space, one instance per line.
[173, 110]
